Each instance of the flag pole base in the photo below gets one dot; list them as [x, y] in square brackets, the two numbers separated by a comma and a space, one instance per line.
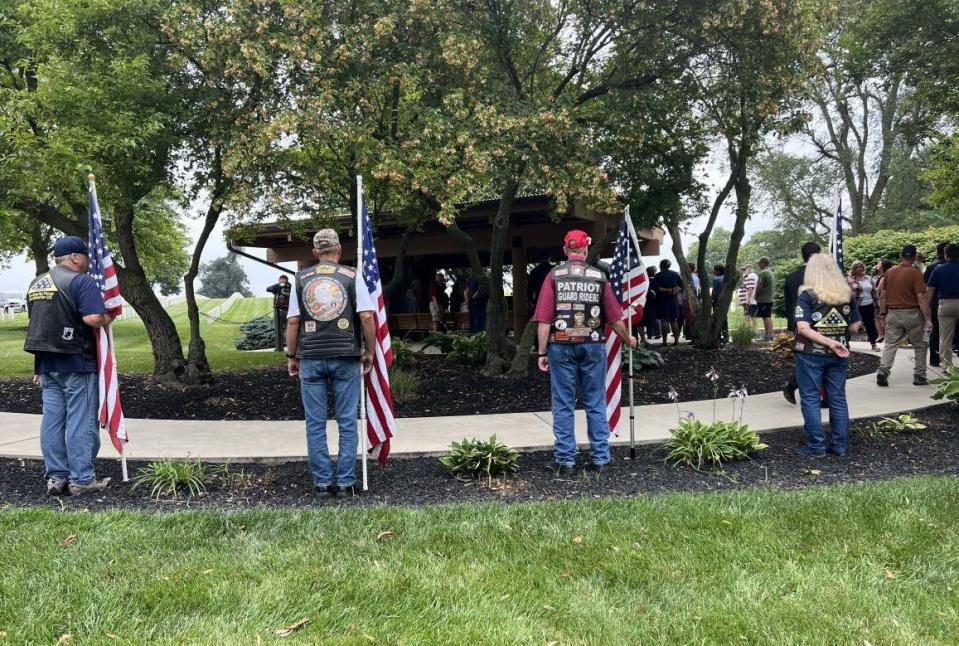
[123, 468]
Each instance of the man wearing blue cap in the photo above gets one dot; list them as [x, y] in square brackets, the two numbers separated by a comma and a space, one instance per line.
[65, 305]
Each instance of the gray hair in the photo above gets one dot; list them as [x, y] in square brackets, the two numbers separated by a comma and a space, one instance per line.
[59, 260]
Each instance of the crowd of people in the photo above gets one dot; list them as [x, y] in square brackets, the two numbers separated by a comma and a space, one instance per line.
[329, 335]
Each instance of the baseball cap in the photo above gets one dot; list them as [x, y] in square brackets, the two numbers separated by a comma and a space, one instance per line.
[325, 240]
[70, 244]
[909, 251]
[576, 239]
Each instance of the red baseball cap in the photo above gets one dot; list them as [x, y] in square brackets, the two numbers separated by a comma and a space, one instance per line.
[576, 239]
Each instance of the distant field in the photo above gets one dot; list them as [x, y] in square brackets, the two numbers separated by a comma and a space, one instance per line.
[133, 345]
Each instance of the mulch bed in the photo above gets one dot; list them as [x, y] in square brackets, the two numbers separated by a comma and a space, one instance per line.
[422, 481]
[446, 388]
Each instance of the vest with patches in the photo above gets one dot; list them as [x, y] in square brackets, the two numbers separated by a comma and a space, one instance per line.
[55, 322]
[829, 320]
[579, 290]
[329, 324]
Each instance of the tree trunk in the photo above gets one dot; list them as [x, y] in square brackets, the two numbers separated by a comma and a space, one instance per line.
[399, 268]
[499, 349]
[520, 364]
[168, 362]
[40, 246]
[198, 367]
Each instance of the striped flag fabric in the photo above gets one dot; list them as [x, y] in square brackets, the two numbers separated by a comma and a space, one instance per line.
[630, 285]
[835, 238]
[110, 412]
[380, 424]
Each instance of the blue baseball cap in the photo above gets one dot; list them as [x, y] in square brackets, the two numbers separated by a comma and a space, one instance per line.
[70, 244]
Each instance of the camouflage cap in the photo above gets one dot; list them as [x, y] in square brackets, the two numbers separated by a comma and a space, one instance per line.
[326, 240]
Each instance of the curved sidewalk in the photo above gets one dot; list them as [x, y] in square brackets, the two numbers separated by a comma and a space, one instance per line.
[252, 441]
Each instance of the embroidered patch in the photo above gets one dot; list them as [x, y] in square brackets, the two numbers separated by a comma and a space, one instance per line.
[67, 334]
[594, 336]
[816, 316]
[576, 271]
[560, 324]
[346, 271]
[594, 310]
[342, 324]
[593, 323]
[324, 298]
[594, 273]
[564, 307]
[560, 272]
[326, 269]
[309, 327]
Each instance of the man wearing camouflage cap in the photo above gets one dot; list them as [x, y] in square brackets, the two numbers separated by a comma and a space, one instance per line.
[330, 334]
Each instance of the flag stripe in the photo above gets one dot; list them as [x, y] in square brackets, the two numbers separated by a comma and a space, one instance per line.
[109, 412]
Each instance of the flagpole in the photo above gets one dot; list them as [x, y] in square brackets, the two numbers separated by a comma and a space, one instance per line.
[629, 327]
[92, 187]
[359, 268]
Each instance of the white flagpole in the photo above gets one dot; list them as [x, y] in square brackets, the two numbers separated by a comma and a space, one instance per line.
[359, 268]
[629, 326]
[123, 455]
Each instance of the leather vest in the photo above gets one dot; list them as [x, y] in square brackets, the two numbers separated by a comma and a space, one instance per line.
[828, 320]
[329, 324]
[579, 290]
[55, 322]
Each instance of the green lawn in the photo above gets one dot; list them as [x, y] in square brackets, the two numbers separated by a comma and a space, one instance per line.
[133, 345]
[870, 563]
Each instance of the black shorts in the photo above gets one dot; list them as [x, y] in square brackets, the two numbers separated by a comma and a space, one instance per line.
[764, 310]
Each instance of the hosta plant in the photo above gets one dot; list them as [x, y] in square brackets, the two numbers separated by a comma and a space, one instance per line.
[947, 386]
[478, 458]
[696, 444]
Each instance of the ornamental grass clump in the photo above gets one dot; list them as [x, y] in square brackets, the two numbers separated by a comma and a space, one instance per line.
[403, 383]
[743, 334]
[169, 478]
[475, 459]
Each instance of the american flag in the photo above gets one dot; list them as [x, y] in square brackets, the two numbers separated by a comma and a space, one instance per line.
[104, 273]
[380, 425]
[835, 238]
[629, 285]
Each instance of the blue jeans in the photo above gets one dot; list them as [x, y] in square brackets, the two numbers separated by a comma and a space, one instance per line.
[69, 436]
[584, 364]
[830, 372]
[316, 377]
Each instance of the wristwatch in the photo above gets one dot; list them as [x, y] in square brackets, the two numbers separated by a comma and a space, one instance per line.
[290, 356]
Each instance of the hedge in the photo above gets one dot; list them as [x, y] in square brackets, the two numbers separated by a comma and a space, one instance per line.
[872, 247]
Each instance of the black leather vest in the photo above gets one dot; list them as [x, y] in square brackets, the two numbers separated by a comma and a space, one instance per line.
[55, 322]
[329, 324]
[579, 290]
[828, 320]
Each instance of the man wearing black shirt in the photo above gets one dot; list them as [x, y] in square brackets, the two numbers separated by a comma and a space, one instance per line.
[790, 296]
[934, 305]
[281, 303]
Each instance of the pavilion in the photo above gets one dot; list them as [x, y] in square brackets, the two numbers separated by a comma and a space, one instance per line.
[535, 235]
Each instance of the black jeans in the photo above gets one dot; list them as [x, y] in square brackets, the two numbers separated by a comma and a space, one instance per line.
[868, 314]
[934, 334]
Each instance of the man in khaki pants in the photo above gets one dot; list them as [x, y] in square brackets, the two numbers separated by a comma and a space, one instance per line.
[944, 281]
[906, 310]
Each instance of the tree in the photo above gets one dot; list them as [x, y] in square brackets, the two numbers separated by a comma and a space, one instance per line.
[222, 277]
[87, 88]
[759, 55]
[798, 191]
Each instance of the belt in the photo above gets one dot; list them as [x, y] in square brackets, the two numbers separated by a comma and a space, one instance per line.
[577, 339]
[911, 307]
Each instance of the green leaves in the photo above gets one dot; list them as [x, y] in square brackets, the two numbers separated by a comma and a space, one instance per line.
[947, 386]
[171, 478]
[696, 444]
[478, 458]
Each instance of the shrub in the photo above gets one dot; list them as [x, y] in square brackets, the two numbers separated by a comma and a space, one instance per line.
[403, 384]
[743, 334]
[469, 350]
[643, 359]
[166, 478]
[403, 355]
[782, 346]
[476, 458]
[872, 247]
[948, 386]
[257, 334]
[441, 341]
[695, 443]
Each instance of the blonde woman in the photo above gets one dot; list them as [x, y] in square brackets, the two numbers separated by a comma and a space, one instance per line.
[862, 291]
[826, 314]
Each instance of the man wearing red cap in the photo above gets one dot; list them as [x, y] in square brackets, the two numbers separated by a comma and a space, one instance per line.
[574, 307]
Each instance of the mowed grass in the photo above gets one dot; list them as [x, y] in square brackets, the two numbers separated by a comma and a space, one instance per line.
[868, 563]
[133, 345]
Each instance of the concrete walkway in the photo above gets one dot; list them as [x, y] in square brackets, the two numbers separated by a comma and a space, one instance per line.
[245, 441]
